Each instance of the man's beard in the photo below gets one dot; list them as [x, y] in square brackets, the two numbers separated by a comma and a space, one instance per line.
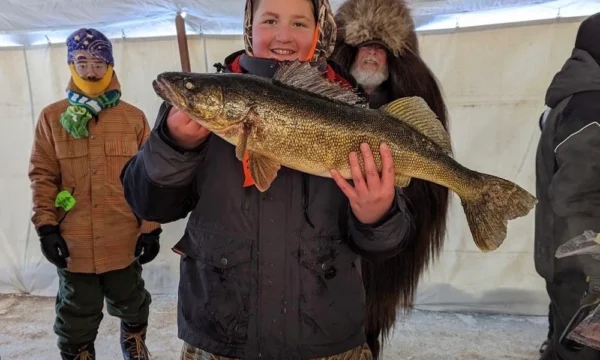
[91, 78]
[369, 78]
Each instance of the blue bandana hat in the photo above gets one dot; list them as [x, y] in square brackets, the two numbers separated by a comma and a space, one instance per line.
[92, 41]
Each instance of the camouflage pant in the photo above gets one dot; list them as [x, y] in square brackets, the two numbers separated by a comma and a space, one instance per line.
[188, 352]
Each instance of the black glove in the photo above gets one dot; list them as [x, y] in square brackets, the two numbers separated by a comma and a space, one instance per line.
[53, 245]
[148, 246]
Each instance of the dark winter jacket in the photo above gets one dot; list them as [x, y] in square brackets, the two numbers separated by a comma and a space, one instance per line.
[568, 159]
[271, 275]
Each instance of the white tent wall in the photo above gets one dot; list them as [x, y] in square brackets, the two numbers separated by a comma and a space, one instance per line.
[494, 81]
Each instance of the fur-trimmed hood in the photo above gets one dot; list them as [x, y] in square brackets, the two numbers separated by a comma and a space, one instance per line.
[388, 22]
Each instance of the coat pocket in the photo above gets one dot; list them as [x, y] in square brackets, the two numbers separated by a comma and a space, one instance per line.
[215, 284]
[118, 152]
[326, 255]
[332, 293]
[74, 162]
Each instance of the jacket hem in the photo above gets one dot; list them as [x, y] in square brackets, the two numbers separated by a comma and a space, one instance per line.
[80, 268]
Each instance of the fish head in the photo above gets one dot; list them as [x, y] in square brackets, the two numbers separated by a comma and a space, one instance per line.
[198, 95]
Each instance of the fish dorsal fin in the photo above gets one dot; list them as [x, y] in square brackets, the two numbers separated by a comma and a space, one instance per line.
[415, 112]
[304, 76]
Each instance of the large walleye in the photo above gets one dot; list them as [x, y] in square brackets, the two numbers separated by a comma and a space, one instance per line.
[302, 121]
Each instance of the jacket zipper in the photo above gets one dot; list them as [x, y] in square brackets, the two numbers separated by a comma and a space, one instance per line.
[259, 275]
[246, 199]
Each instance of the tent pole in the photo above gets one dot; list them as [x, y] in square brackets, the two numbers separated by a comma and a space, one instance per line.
[184, 54]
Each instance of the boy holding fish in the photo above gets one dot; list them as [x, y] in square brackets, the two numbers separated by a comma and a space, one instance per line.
[274, 274]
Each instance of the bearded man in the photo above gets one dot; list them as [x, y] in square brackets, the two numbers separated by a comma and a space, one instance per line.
[86, 228]
[378, 45]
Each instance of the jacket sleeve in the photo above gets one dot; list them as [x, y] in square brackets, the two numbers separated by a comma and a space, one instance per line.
[575, 187]
[44, 175]
[143, 135]
[386, 238]
[160, 180]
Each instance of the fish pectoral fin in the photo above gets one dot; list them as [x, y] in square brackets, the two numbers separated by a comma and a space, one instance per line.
[402, 181]
[248, 124]
[415, 112]
[240, 149]
[263, 170]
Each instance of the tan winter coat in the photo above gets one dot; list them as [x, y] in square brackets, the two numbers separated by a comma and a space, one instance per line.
[101, 230]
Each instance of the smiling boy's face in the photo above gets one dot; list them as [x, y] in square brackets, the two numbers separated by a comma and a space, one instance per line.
[283, 30]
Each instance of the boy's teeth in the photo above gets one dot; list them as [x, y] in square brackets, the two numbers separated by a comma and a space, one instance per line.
[283, 52]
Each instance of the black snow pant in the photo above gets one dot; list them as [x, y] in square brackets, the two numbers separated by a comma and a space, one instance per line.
[80, 301]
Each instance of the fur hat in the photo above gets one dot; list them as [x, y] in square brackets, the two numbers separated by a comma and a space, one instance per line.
[387, 22]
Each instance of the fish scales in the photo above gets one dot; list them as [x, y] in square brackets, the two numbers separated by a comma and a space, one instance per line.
[314, 135]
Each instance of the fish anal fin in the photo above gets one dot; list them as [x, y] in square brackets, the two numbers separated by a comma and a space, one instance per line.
[263, 170]
[301, 75]
[415, 112]
[249, 120]
[402, 181]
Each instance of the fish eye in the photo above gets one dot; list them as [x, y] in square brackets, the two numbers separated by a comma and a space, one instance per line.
[189, 85]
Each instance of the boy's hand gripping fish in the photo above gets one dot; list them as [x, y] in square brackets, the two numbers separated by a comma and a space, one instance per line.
[303, 121]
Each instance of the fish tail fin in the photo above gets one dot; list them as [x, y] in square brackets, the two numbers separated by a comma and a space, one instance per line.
[488, 212]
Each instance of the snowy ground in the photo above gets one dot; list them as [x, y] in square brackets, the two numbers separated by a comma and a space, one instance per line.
[26, 333]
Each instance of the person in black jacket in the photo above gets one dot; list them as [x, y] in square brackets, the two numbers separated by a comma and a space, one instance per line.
[273, 275]
[568, 183]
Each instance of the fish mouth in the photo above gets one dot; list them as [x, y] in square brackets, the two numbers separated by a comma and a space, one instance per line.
[166, 91]
[179, 91]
